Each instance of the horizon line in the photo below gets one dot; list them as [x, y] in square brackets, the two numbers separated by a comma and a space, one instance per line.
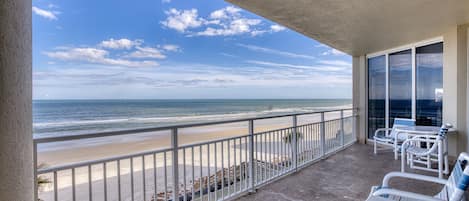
[196, 99]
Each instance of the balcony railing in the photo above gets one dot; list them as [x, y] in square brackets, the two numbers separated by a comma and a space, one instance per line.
[212, 170]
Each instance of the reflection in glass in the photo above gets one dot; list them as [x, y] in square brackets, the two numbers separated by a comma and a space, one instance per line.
[376, 93]
[429, 90]
[400, 85]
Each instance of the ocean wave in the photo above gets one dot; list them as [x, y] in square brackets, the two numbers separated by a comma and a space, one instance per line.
[185, 118]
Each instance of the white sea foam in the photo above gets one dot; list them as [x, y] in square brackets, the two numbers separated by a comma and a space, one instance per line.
[185, 118]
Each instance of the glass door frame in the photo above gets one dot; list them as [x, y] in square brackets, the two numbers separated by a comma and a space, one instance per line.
[386, 53]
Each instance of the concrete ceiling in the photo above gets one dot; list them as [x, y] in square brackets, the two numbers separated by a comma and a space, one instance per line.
[358, 27]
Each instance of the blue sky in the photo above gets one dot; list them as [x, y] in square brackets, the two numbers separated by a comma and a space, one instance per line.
[153, 49]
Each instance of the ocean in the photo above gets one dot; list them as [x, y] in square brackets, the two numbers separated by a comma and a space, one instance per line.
[71, 117]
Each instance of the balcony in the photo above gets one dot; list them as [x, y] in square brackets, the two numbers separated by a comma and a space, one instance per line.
[217, 169]
[358, 28]
[346, 175]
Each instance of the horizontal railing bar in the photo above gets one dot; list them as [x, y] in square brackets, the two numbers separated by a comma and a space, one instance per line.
[99, 161]
[163, 128]
[300, 125]
[211, 142]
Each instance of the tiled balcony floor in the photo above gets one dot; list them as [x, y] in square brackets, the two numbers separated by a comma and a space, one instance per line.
[347, 175]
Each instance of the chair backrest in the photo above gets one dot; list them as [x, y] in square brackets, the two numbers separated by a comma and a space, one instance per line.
[400, 122]
[458, 181]
[444, 130]
[403, 122]
[441, 136]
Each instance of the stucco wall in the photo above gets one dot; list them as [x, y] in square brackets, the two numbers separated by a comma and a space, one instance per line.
[16, 166]
[455, 86]
[360, 96]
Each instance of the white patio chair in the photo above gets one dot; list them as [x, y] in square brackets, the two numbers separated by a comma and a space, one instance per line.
[435, 151]
[453, 190]
[385, 137]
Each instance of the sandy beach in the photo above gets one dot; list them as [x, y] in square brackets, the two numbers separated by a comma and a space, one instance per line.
[85, 150]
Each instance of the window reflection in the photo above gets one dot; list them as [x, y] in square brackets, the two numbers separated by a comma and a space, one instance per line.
[429, 74]
[400, 85]
[376, 93]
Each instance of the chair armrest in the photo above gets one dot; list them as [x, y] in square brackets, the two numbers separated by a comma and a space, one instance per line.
[429, 137]
[404, 145]
[405, 194]
[391, 175]
[382, 130]
[421, 140]
[432, 149]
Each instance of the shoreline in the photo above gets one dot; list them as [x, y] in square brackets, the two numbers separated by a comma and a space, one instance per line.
[77, 151]
[52, 154]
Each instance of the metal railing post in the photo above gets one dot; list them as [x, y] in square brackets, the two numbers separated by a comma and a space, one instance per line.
[354, 124]
[323, 136]
[175, 160]
[252, 183]
[342, 130]
[295, 142]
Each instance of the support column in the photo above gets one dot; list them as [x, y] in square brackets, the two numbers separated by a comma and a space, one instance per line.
[360, 97]
[454, 86]
[16, 146]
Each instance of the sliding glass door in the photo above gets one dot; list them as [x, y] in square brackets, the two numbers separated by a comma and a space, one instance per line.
[400, 85]
[376, 93]
[429, 62]
[407, 83]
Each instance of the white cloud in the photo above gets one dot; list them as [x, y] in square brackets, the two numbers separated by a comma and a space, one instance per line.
[276, 28]
[228, 55]
[165, 1]
[258, 32]
[114, 52]
[50, 15]
[326, 68]
[235, 27]
[52, 6]
[227, 21]
[189, 75]
[171, 48]
[321, 46]
[103, 81]
[227, 12]
[123, 43]
[277, 52]
[147, 52]
[218, 14]
[336, 63]
[334, 52]
[272, 64]
[180, 20]
[96, 56]
[330, 51]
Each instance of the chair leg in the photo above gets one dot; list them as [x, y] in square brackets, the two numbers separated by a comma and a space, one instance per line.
[429, 162]
[411, 160]
[375, 151]
[445, 150]
[446, 165]
[440, 160]
[403, 161]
